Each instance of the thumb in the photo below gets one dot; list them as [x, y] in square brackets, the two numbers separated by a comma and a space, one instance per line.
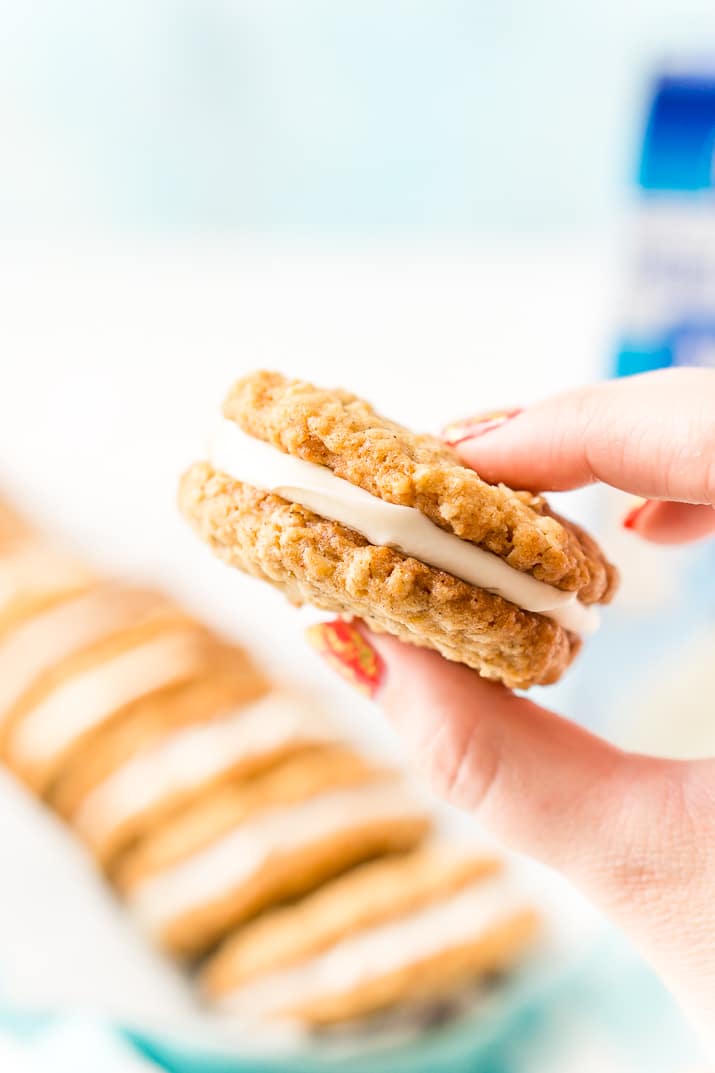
[636, 834]
[540, 783]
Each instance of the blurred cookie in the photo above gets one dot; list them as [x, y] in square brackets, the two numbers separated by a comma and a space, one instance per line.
[368, 895]
[246, 847]
[42, 641]
[226, 679]
[201, 736]
[14, 528]
[392, 933]
[33, 575]
[319, 495]
[69, 704]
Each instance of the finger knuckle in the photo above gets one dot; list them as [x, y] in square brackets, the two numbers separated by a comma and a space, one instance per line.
[460, 767]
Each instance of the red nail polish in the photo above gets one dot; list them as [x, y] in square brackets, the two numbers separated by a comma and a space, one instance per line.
[631, 518]
[472, 427]
[347, 652]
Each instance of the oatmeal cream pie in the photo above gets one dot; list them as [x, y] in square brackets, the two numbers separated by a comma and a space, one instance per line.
[225, 682]
[198, 737]
[43, 639]
[14, 527]
[145, 646]
[33, 573]
[335, 505]
[391, 934]
[245, 847]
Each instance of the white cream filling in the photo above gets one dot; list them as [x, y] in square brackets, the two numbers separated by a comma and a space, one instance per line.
[378, 951]
[317, 488]
[35, 568]
[236, 857]
[187, 758]
[41, 642]
[88, 698]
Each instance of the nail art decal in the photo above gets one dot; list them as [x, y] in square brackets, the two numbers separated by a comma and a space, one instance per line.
[347, 651]
[631, 519]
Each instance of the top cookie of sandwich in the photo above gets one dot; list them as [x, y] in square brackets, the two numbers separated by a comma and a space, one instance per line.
[343, 432]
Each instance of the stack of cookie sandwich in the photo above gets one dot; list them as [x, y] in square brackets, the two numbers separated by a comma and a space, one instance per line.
[249, 839]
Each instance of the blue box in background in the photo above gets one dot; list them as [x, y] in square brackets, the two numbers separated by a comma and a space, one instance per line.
[648, 678]
[669, 317]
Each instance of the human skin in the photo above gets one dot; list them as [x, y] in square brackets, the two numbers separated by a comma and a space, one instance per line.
[636, 834]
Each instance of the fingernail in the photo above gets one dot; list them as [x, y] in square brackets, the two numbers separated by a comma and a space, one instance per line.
[631, 519]
[475, 426]
[347, 652]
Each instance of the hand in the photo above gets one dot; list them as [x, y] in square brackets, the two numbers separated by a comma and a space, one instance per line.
[637, 834]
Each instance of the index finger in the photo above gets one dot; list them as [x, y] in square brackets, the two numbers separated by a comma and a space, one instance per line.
[651, 435]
